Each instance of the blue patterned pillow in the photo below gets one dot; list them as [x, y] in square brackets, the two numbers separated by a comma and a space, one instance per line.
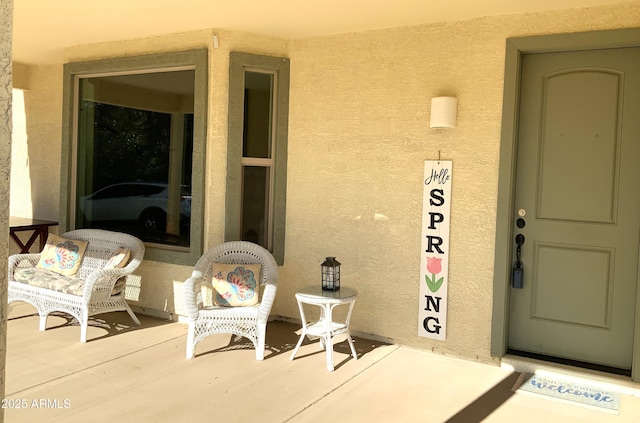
[236, 285]
[62, 255]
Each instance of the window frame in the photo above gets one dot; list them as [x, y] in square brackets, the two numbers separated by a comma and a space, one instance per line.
[280, 68]
[190, 59]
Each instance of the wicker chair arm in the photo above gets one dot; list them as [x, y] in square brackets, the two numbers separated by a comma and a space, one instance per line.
[21, 260]
[102, 280]
[190, 294]
[268, 297]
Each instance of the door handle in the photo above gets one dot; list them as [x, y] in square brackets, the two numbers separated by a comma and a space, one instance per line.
[517, 276]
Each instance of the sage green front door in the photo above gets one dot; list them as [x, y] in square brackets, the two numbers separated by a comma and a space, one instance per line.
[578, 195]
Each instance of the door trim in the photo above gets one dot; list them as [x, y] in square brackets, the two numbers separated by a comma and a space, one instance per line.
[515, 48]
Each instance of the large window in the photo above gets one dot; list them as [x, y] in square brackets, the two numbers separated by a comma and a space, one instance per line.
[135, 150]
[257, 150]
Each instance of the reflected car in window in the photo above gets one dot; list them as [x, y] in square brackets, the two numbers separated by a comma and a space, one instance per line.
[145, 202]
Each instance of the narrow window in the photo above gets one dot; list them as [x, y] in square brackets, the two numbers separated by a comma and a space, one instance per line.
[256, 163]
[257, 159]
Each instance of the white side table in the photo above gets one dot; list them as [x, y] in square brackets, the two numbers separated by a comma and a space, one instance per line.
[325, 328]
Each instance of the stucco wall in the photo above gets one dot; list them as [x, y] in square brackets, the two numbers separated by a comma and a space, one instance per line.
[358, 136]
[43, 102]
[35, 161]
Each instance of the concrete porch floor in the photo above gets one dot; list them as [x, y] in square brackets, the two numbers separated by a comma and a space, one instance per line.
[127, 373]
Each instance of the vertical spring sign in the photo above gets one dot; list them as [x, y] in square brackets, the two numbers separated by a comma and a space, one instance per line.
[434, 253]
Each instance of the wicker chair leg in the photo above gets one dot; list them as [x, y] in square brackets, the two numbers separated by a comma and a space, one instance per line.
[132, 314]
[43, 322]
[84, 325]
[262, 329]
[83, 331]
[191, 347]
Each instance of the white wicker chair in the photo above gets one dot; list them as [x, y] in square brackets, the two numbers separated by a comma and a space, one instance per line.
[99, 283]
[249, 322]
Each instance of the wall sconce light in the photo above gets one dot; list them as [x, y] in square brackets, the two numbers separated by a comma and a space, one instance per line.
[443, 112]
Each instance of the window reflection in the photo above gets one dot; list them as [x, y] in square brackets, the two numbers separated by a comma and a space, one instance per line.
[134, 155]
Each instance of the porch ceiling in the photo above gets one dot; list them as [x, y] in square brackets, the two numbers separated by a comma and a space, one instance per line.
[42, 29]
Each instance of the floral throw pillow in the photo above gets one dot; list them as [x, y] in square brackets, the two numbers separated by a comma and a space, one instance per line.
[236, 285]
[62, 255]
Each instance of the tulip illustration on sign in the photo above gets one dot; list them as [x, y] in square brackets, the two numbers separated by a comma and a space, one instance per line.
[434, 266]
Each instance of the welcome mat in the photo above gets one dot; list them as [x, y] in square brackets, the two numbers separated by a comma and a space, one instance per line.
[569, 390]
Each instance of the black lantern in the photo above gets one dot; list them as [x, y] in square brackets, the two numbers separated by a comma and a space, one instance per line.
[331, 274]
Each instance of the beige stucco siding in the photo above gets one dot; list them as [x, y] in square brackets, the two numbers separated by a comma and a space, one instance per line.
[358, 136]
[36, 144]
